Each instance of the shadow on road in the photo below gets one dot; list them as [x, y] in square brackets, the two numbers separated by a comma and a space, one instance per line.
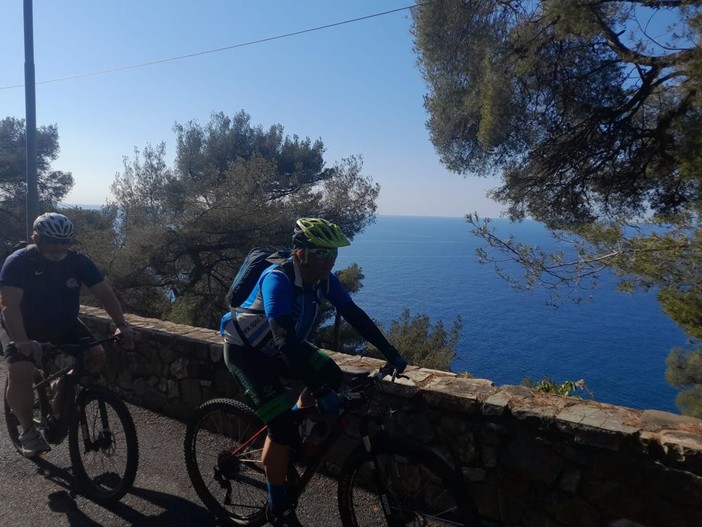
[177, 511]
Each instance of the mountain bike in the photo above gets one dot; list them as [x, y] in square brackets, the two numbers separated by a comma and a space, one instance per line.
[386, 480]
[102, 439]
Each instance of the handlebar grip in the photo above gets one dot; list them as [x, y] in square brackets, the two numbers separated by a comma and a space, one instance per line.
[387, 370]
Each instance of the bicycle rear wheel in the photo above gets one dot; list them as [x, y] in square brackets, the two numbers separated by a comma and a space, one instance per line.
[103, 444]
[418, 487]
[233, 488]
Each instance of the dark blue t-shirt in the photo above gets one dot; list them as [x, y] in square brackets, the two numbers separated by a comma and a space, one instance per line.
[51, 290]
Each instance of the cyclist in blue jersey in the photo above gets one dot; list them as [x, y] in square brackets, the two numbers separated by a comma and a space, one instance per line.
[40, 287]
[264, 341]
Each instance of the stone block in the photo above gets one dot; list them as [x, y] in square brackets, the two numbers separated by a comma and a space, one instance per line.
[534, 460]
[216, 352]
[173, 390]
[124, 379]
[191, 392]
[575, 512]
[655, 420]
[418, 427]
[490, 456]
[674, 485]
[687, 445]
[154, 399]
[534, 413]
[496, 404]
[167, 354]
[454, 393]
[569, 480]
[202, 351]
[179, 368]
[200, 369]
[223, 383]
[139, 387]
[515, 497]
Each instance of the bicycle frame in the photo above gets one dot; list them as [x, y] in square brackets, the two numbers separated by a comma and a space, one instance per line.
[95, 420]
[313, 465]
[73, 373]
[324, 448]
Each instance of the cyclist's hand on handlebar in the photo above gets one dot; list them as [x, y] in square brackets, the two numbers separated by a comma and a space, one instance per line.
[395, 359]
[30, 348]
[329, 402]
[399, 363]
[125, 335]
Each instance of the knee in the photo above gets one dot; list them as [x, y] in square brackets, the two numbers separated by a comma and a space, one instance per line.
[95, 359]
[332, 374]
[283, 430]
[21, 372]
[326, 370]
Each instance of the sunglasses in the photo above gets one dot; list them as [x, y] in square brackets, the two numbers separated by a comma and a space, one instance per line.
[56, 241]
[326, 254]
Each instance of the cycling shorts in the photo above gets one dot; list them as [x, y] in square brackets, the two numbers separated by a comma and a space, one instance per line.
[72, 334]
[262, 378]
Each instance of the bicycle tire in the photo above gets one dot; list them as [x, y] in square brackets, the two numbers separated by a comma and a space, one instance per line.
[217, 427]
[11, 421]
[439, 498]
[101, 470]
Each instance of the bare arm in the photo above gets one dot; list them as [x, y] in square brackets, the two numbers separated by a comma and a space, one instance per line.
[11, 312]
[14, 321]
[106, 296]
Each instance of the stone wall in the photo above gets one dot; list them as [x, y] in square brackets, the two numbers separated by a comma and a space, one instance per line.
[529, 458]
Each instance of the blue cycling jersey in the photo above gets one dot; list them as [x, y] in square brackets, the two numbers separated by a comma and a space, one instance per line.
[276, 296]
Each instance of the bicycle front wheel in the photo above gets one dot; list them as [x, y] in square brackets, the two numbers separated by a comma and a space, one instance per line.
[102, 441]
[232, 487]
[402, 484]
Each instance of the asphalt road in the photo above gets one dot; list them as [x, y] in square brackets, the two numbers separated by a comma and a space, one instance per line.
[41, 492]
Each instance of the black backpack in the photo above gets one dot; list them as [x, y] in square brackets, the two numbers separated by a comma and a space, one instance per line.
[32, 252]
[256, 261]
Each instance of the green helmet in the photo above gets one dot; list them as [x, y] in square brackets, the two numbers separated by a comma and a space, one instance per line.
[318, 232]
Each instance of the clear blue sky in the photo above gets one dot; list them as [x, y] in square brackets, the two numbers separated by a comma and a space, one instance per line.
[356, 86]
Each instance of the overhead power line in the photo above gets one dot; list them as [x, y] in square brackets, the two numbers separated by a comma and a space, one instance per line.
[217, 50]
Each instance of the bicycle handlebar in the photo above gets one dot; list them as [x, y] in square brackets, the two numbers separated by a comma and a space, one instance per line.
[389, 370]
[83, 345]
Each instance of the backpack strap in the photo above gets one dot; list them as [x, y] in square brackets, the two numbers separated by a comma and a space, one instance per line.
[286, 267]
[33, 256]
[288, 271]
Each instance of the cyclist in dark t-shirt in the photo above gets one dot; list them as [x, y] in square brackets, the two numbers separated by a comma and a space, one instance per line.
[264, 341]
[40, 288]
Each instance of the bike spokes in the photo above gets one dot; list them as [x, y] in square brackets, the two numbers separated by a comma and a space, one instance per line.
[402, 492]
[104, 447]
[223, 458]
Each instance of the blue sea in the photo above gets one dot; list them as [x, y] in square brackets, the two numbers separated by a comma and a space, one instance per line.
[616, 342]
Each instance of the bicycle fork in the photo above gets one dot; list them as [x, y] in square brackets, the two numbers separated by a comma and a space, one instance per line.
[388, 502]
[103, 440]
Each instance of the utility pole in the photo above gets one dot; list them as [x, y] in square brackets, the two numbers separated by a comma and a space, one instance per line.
[31, 121]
